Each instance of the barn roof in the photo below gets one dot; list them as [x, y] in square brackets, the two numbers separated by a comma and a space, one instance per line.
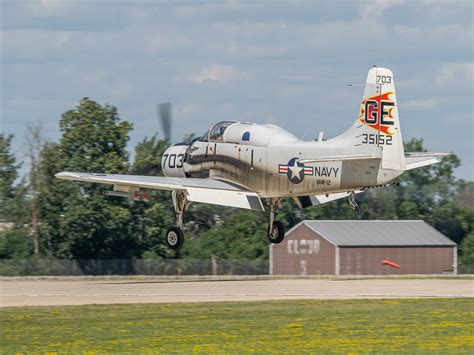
[379, 233]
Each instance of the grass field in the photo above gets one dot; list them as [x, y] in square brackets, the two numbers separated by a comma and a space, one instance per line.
[421, 325]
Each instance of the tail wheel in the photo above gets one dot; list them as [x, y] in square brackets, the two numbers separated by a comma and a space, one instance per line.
[175, 237]
[276, 232]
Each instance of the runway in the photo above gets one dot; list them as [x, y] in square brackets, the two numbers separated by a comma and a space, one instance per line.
[19, 292]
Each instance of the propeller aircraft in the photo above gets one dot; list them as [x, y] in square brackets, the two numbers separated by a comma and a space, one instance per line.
[238, 164]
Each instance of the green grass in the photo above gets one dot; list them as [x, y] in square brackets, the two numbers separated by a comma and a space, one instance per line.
[421, 325]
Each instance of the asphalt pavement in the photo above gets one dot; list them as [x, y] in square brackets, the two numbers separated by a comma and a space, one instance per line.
[18, 292]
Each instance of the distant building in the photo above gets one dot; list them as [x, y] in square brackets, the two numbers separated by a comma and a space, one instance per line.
[363, 248]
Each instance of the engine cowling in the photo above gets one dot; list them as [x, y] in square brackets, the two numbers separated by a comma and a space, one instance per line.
[172, 162]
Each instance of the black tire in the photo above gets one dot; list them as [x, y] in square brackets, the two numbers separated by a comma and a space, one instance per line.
[277, 233]
[174, 237]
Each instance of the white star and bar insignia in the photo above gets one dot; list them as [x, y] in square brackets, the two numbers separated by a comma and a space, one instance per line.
[294, 170]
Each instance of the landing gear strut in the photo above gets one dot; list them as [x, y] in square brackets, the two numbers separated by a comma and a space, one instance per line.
[352, 203]
[276, 230]
[175, 235]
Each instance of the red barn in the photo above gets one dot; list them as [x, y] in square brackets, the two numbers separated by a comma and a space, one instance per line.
[363, 248]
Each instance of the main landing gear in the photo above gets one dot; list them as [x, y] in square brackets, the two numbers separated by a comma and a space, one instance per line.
[276, 230]
[175, 235]
[352, 203]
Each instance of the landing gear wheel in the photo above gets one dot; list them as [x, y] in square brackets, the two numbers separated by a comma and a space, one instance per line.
[276, 232]
[175, 237]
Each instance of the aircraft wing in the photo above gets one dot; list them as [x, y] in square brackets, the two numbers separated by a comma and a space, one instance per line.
[418, 159]
[210, 191]
[308, 201]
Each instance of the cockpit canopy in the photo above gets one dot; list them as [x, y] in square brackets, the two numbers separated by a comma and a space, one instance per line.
[247, 133]
[216, 133]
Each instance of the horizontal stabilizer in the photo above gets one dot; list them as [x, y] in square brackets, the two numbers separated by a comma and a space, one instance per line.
[419, 159]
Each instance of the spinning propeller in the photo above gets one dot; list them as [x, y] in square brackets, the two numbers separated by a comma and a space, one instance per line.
[164, 115]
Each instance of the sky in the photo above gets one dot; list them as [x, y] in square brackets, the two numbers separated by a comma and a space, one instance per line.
[283, 62]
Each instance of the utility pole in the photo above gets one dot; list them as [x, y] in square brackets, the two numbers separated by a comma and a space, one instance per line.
[35, 144]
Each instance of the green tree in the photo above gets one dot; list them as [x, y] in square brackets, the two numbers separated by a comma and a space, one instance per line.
[15, 241]
[237, 234]
[8, 173]
[12, 196]
[148, 155]
[466, 260]
[80, 221]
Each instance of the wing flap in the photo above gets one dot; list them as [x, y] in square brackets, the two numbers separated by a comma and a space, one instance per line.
[237, 199]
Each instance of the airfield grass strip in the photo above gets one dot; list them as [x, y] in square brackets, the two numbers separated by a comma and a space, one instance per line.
[397, 325]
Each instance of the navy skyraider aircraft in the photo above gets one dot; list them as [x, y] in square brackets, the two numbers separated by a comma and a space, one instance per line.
[238, 164]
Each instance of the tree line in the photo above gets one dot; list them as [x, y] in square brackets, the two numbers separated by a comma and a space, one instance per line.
[47, 218]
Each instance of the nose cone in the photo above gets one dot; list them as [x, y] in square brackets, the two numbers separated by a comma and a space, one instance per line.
[172, 162]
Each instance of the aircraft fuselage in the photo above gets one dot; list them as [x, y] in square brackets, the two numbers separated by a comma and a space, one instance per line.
[275, 170]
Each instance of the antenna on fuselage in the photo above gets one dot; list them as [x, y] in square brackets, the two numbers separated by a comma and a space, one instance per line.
[304, 134]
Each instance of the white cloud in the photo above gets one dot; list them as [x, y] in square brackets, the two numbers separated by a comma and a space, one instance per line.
[216, 72]
[446, 10]
[411, 83]
[419, 105]
[94, 78]
[163, 40]
[212, 8]
[459, 74]
[30, 43]
[45, 8]
[186, 111]
[452, 36]
[374, 10]
[118, 91]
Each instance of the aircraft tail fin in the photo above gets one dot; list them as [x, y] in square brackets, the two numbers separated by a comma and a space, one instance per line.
[378, 123]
